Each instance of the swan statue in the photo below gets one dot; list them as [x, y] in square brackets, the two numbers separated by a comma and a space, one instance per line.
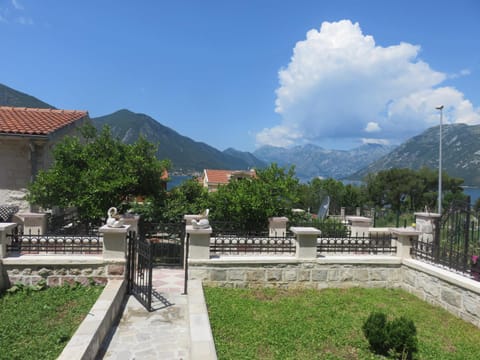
[200, 224]
[114, 220]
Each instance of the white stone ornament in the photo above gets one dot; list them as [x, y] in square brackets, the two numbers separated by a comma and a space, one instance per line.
[114, 220]
[200, 224]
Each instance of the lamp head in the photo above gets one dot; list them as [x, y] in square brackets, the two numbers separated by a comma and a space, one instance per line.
[439, 107]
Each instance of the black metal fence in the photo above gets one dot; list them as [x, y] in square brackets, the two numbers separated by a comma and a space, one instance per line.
[230, 239]
[455, 243]
[358, 244]
[68, 223]
[20, 243]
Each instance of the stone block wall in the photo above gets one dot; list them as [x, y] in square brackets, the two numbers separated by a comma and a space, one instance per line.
[61, 274]
[455, 293]
[298, 275]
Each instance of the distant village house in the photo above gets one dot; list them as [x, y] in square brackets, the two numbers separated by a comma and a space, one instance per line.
[212, 179]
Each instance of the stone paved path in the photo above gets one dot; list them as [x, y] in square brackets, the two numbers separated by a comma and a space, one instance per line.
[160, 334]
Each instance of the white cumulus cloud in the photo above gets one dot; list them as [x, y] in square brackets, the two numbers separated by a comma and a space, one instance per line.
[372, 127]
[338, 79]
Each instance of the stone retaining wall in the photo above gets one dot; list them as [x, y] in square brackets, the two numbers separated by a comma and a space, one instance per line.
[298, 274]
[455, 293]
[60, 273]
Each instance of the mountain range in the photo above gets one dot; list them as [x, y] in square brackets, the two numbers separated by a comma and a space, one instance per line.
[461, 154]
[312, 161]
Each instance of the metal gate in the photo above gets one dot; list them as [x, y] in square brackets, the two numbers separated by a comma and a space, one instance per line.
[457, 237]
[155, 245]
[139, 270]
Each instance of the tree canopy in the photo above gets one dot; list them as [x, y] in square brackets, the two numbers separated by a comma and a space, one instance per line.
[251, 201]
[96, 171]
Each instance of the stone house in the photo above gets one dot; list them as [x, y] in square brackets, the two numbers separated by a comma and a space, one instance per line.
[27, 136]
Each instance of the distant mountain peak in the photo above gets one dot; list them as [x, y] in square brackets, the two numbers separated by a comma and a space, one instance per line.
[15, 98]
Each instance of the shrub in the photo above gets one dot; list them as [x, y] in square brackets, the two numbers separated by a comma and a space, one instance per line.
[397, 338]
[402, 338]
[375, 330]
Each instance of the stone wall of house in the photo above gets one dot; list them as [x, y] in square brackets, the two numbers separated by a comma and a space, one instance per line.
[15, 172]
[60, 274]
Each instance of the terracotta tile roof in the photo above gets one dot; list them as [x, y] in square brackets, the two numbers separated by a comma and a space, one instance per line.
[31, 121]
[223, 176]
[218, 176]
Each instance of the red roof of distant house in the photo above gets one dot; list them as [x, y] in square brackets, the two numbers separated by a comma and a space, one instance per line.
[223, 176]
[218, 176]
[32, 121]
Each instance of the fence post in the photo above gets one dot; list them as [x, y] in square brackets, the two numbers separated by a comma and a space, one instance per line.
[429, 226]
[199, 242]
[359, 225]
[404, 241]
[277, 226]
[306, 244]
[5, 228]
[33, 223]
[114, 242]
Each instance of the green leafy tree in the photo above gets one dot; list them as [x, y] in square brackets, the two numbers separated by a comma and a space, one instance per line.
[407, 189]
[251, 201]
[96, 171]
[190, 197]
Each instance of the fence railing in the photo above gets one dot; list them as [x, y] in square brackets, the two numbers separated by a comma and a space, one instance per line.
[455, 241]
[373, 244]
[252, 245]
[21, 243]
[69, 224]
[231, 239]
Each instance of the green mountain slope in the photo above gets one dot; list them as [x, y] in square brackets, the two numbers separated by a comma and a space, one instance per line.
[11, 97]
[461, 153]
[186, 154]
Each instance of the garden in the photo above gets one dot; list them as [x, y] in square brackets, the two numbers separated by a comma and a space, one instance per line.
[328, 324]
[38, 321]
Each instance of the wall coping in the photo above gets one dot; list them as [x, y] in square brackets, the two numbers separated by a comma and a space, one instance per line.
[59, 260]
[409, 231]
[444, 274]
[114, 230]
[307, 230]
[427, 214]
[7, 226]
[259, 260]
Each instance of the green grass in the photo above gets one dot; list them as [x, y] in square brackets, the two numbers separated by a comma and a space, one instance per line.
[38, 324]
[327, 324]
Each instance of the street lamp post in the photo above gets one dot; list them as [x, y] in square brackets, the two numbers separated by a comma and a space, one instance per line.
[440, 162]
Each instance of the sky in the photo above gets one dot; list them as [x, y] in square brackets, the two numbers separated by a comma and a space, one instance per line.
[248, 73]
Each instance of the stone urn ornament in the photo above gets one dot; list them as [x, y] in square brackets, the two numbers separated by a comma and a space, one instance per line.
[114, 220]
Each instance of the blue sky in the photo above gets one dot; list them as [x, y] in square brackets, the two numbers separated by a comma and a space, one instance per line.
[248, 73]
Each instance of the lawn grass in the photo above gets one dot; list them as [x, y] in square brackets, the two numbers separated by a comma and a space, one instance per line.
[327, 324]
[38, 324]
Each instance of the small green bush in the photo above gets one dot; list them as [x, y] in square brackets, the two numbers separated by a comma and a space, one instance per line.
[396, 338]
[402, 338]
[375, 330]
